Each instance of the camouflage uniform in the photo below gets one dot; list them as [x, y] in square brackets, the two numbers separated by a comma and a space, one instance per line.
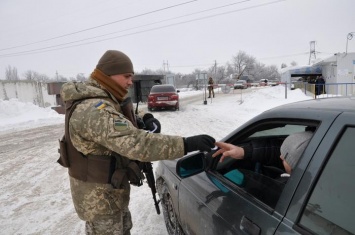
[97, 127]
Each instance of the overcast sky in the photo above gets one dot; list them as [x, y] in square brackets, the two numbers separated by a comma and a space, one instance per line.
[69, 37]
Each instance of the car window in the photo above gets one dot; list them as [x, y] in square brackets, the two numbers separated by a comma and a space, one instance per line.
[331, 207]
[163, 89]
[261, 175]
[284, 130]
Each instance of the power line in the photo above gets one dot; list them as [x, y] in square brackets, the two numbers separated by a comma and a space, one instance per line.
[282, 56]
[99, 26]
[41, 50]
[85, 39]
[182, 66]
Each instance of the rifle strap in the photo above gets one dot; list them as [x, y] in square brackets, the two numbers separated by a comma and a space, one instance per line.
[91, 168]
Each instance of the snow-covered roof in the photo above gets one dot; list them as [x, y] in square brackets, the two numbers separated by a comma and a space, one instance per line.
[304, 69]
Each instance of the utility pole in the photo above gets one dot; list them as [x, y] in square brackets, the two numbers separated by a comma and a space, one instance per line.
[167, 66]
[349, 37]
[215, 69]
[312, 51]
[56, 73]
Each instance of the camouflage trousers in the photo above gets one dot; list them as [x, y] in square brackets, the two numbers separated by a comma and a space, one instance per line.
[119, 224]
[104, 208]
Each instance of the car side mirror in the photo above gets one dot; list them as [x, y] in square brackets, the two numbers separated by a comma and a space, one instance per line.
[177, 91]
[191, 165]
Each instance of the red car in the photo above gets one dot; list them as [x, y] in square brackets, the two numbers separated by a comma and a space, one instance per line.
[163, 97]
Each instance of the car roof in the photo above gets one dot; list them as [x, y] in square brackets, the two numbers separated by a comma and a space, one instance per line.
[315, 110]
[164, 85]
[163, 88]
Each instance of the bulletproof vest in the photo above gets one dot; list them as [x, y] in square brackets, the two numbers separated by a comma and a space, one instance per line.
[95, 168]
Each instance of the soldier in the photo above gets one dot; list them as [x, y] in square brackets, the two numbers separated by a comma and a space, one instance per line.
[210, 87]
[101, 144]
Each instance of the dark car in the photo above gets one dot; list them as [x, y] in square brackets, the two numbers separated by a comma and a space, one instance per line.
[241, 84]
[201, 195]
[163, 97]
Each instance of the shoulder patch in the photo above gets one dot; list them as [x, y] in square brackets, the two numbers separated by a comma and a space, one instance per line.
[100, 105]
[120, 125]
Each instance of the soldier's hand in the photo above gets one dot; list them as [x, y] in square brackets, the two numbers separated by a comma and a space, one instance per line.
[151, 123]
[140, 122]
[204, 143]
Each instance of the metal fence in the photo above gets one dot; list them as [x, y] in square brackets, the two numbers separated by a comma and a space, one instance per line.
[326, 90]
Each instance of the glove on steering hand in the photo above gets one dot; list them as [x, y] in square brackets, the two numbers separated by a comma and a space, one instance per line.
[199, 142]
[151, 123]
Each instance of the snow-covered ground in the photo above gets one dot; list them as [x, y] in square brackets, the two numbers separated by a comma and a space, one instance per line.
[34, 190]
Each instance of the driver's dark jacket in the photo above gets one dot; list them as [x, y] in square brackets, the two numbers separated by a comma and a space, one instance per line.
[265, 152]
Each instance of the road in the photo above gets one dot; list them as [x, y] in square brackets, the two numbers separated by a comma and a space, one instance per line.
[35, 194]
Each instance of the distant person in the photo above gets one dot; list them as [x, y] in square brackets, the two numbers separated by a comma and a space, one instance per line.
[290, 151]
[210, 87]
[320, 85]
[102, 145]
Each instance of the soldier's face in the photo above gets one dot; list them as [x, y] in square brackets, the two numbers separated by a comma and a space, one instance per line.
[123, 80]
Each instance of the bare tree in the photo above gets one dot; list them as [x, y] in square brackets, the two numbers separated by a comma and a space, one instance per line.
[260, 71]
[242, 63]
[29, 75]
[80, 77]
[293, 63]
[40, 77]
[11, 73]
[152, 72]
[61, 78]
[35, 76]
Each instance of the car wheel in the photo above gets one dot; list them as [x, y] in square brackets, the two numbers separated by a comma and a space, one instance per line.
[170, 218]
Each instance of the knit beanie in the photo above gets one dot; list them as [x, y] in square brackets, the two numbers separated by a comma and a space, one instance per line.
[293, 147]
[115, 62]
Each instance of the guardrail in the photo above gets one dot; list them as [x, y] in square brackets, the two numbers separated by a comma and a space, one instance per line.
[326, 90]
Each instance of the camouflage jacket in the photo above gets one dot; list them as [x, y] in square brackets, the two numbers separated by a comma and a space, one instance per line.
[97, 127]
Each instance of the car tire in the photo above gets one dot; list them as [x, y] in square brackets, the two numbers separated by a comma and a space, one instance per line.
[170, 218]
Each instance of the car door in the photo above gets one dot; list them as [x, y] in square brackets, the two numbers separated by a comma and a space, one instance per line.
[223, 210]
[212, 203]
[324, 201]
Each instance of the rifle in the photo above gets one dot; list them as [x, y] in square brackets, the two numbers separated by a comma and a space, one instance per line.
[149, 175]
[146, 167]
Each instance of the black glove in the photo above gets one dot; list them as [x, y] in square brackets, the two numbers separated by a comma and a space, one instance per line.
[140, 122]
[151, 123]
[199, 142]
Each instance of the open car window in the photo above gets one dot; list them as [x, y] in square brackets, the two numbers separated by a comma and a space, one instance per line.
[259, 178]
[284, 130]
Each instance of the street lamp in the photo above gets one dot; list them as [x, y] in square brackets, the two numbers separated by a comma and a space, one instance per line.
[349, 37]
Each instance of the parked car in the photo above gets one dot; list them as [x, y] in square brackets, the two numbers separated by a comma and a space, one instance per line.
[241, 84]
[163, 97]
[263, 82]
[199, 195]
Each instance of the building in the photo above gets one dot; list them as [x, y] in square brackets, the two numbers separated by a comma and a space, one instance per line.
[338, 72]
[339, 68]
[306, 72]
